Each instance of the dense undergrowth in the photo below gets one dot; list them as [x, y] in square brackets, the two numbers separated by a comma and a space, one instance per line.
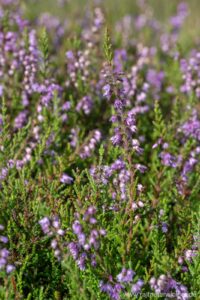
[99, 157]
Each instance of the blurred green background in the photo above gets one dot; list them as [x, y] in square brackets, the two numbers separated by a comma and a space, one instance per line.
[75, 10]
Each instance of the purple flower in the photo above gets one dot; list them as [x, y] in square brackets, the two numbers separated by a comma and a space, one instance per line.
[66, 179]
[166, 284]
[85, 104]
[164, 227]
[116, 139]
[2, 262]
[21, 119]
[125, 275]
[81, 238]
[189, 254]
[82, 261]
[88, 148]
[66, 106]
[155, 79]
[168, 159]
[70, 55]
[60, 232]
[45, 225]
[141, 168]
[4, 253]
[1, 90]
[10, 268]
[120, 56]
[4, 239]
[191, 128]
[118, 105]
[54, 244]
[114, 119]
[74, 250]
[106, 90]
[112, 290]
[56, 222]
[136, 288]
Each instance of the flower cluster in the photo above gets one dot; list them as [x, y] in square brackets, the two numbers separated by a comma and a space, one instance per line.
[188, 256]
[168, 286]
[53, 25]
[84, 249]
[191, 128]
[89, 146]
[4, 254]
[77, 66]
[85, 105]
[190, 69]
[117, 173]
[123, 283]
[47, 90]
[52, 228]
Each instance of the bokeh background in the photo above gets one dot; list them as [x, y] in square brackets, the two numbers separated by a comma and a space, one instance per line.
[74, 11]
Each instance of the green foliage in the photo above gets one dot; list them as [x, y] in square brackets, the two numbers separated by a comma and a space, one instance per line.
[44, 48]
[31, 187]
[107, 46]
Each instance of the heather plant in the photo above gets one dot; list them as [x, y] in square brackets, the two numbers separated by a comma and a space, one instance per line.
[99, 153]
